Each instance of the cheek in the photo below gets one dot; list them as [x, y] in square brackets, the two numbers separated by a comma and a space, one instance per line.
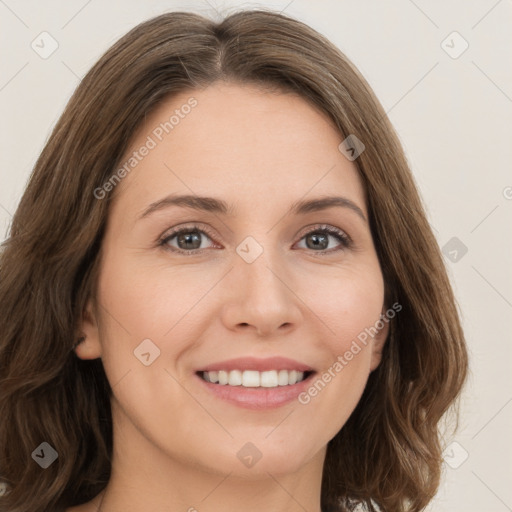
[349, 306]
[163, 305]
[143, 318]
[148, 301]
[347, 302]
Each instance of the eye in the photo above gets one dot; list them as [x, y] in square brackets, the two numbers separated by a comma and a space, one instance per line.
[187, 239]
[317, 239]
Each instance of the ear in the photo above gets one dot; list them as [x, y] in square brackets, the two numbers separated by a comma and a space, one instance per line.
[379, 340]
[89, 347]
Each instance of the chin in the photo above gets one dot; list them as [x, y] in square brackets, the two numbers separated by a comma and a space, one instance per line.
[247, 459]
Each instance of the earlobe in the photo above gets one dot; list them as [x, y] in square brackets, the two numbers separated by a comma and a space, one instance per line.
[87, 345]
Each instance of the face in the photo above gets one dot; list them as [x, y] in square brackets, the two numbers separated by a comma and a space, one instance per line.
[252, 285]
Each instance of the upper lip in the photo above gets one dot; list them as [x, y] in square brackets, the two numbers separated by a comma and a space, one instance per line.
[261, 365]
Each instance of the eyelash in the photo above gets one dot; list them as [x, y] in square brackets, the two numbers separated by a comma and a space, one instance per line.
[343, 238]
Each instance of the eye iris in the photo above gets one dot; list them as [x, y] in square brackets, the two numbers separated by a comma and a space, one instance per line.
[192, 240]
[319, 240]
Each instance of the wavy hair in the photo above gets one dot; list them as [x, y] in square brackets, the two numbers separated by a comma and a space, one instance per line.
[388, 456]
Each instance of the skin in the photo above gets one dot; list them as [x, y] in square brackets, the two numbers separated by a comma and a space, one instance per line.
[175, 444]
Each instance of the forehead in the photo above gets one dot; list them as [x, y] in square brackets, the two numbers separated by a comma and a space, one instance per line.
[239, 141]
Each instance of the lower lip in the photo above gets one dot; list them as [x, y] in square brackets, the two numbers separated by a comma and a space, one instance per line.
[257, 398]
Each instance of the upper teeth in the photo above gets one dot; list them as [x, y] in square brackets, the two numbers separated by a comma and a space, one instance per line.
[255, 379]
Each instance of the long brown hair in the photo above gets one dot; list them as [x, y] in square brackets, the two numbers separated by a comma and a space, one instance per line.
[388, 455]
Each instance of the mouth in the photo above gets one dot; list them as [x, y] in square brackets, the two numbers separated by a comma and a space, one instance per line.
[255, 383]
[254, 378]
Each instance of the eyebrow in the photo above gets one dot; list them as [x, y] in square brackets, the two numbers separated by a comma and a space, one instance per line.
[213, 205]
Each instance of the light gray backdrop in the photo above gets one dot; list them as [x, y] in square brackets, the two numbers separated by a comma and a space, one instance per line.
[443, 72]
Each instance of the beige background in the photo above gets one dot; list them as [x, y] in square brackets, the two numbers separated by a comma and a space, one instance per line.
[453, 115]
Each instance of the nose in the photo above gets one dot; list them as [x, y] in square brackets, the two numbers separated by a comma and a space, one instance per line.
[261, 298]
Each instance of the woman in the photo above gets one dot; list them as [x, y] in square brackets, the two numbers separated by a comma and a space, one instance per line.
[220, 289]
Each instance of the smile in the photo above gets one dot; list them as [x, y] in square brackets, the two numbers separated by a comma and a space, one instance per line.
[253, 378]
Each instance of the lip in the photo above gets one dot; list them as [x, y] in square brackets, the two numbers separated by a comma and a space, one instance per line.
[256, 398]
[261, 365]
